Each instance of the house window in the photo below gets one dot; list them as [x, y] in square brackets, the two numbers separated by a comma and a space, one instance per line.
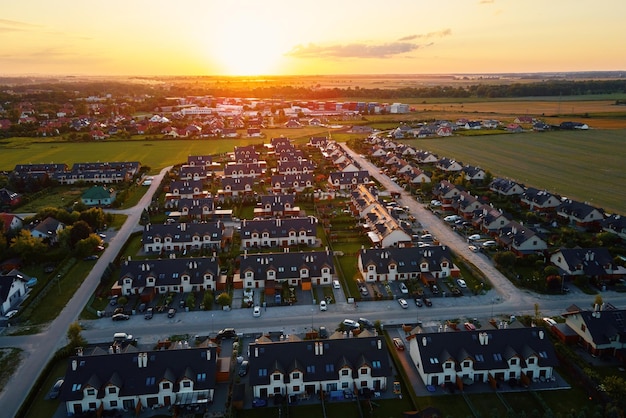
[448, 365]
[296, 388]
[201, 377]
[186, 384]
[310, 369]
[345, 372]
[344, 385]
[276, 377]
[364, 383]
[113, 404]
[583, 328]
[531, 360]
[262, 372]
[330, 368]
[112, 389]
[513, 361]
[364, 370]
[92, 405]
[276, 390]
[166, 385]
[376, 364]
[91, 392]
[296, 376]
[466, 364]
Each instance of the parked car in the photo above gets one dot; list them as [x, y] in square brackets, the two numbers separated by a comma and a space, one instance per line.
[149, 313]
[55, 389]
[461, 283]
[549, 322]
[398, 343]
[349, 323]
[91, 257]
[366, 323]
[469, 326]
[323, 333]
[226, 333]
[419, 302]
[256, 311]
[435, 203]
[120, 317]
[244, 367]
[435, 289]
[10, 314]
[452, 218]
[428, 302]
[171, 312]
[403, 303]
[323, 305]
[473, 248]
[474, 237]
[336, 284]
[489, 244]
[403, 288]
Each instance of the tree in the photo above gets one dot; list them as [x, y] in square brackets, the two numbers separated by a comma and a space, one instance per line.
[207, 300]
[224, 299]
[74, 337]
[505, 259]
[28, 247]
[598, 300]
[79, 231]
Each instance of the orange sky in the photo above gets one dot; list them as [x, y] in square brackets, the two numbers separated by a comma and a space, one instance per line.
[244, 37]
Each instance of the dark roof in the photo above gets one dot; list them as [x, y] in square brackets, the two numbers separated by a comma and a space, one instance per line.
[593, 262]
[500, 346]
[317, 360]
[286, 265]
[169, 271]
[123, 370]
[604, 325]
[7, 280]
[407, 259]
[183, 232]
[277, 228]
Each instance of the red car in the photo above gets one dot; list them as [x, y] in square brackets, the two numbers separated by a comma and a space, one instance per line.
[398, 343]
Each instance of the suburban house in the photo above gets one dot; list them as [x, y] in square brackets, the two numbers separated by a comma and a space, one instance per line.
[12, 289]
[446, 192]
[520, 239]
[489, 219]
[183, 189]
[417, 176]
[158, 238]
[494, 356]
[267, 270]
[595, 263]
[426, 157]
[9, 198]
[391, 264]
[101, 173]
[279, 232]
[539, 200]
[48, 229]
[295, 167]
[134, 380]
[10, 222]
[201, 208]
[98, 196]
[194, 172]
[284, 183]
[506, 187]
[446, 164]
[473, 173]
[251, 169]
[600, 331]
[246, 154]
[329, 367]
[200, 160]
[277, 205]
[317, 141]
[615, 224]
[465, 204]
[580, 214]
[236, 186]
[161, 276]
[343, 180]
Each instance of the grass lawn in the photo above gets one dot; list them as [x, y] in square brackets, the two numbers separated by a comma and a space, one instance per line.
[583, 165]
[41, 406]
[57, 197]
[9, 361]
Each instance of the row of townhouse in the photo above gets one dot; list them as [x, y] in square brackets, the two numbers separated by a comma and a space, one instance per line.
[276, 205]
[179, 236]
[116, 380]
[105, 172]
[279, 232]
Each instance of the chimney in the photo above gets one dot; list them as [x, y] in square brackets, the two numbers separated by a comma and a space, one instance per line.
[321, 348]
[541, 334]
[140, 360]
[379, 344]
[256, 351]
[208, 354]
[424, 341]
[111, 350]
[145, 359]
[79, 351]
[74, 365]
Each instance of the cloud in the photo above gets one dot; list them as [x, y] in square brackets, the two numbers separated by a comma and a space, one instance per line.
[15, 26]
[366, 50]
[486, 1]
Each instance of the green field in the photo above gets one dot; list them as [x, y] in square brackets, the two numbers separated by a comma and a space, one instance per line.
[583, 165]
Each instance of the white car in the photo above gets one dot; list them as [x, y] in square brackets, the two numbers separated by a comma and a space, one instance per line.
[403, 288]
[10, 314]
[474, 237]
[435, 203]
[349, 323]
[403, 303]
[323, 305]
[452, 218]
[461, 283]
[336, 284]
[256, 312]
[473, 248]
[549, 321]
[489, 244]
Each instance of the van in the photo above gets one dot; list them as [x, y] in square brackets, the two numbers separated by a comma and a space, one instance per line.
[122, 337]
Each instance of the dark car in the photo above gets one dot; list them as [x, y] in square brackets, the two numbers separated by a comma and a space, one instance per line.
[90, 258]
[226, 333]
[366, 323]
[243, 368]
[418, 302]
[149, 313]
[171, 313]
[120, 317]
[323, 332]
[56, 389]
[428, 302]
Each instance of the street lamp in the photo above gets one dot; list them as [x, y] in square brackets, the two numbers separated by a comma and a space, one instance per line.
[212, 323]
